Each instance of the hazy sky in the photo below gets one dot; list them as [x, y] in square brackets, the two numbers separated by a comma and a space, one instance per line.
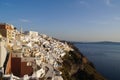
[74, 20]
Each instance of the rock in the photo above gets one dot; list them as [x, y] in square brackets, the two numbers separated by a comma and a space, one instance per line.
[75, 66]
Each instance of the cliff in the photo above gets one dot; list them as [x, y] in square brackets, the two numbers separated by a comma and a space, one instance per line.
[77, 67]
[46, 58]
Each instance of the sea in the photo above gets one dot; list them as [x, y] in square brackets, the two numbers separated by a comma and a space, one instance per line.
[105, 57]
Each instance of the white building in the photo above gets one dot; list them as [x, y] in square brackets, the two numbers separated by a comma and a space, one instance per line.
[3, 52]
[31, 33]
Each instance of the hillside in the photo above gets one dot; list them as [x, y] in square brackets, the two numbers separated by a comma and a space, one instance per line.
[33, 57]
[77, 67]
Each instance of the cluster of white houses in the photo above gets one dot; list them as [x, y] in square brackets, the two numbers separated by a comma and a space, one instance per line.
[29, 55]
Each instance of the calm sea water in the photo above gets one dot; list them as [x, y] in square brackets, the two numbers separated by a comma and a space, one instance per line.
[106, 58]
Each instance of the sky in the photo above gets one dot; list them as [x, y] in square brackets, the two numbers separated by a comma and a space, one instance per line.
[72, 20]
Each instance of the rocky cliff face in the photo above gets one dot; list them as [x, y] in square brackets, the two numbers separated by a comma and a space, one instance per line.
[77, 67]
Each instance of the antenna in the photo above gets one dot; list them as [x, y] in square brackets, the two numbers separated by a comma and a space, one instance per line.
[21, 30]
